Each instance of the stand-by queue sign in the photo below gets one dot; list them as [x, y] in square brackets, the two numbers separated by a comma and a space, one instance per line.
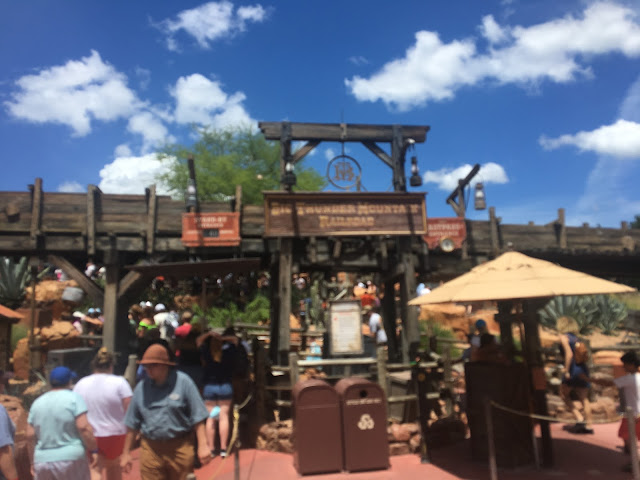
[211, 229]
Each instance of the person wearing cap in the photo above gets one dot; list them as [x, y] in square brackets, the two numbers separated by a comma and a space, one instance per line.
[107, 397]
[59, 427]
[168, 412]
[629, 386]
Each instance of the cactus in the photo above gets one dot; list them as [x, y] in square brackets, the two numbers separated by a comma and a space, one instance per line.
[610, 313]
[14, 278]
[581, 309]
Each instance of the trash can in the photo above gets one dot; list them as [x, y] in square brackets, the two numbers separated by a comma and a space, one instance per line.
[364, 424]
[316, 428]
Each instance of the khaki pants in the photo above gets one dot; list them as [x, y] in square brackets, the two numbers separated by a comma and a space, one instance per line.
[167, 459]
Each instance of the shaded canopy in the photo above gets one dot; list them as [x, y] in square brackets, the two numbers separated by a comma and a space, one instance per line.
[514, 276]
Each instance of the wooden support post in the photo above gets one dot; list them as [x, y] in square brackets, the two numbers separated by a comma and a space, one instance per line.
[389, 319]
[533, 356]
[407, 292]
[493, 232]
[294, 371]
[92, 192]
[284, 292]
[260, 374]
[110, 330]
[504, 318]
[562, 229]
[383, 381]
[152, 218]
[36, 213]
[448, 375]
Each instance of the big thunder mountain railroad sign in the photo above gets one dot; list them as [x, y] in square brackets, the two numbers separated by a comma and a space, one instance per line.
[321, 214]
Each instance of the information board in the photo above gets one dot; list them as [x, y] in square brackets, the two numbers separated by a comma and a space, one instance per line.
[345, 328]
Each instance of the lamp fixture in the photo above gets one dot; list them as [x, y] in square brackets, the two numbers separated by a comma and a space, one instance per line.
[289, 177]
[416, 179]
[192, 194]
[479, 198]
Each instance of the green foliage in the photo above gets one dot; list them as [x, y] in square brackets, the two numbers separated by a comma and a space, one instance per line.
[256, 311]
[226, 158]
[436, 329]
[580, 308]
[635, 223]
[611, 313]
[14, 278]
[603, 311]
[18, 332]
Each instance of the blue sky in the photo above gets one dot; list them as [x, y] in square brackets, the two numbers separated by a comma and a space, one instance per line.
[544, 95]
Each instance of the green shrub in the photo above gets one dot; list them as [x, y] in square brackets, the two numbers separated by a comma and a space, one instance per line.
[18, 332]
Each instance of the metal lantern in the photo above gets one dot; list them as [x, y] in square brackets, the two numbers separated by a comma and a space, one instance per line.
[289, 177]
[416, 179]
[479, 198]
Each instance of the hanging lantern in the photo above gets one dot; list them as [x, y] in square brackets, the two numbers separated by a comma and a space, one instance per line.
[289, 177]
[416, 179]
[480, 201]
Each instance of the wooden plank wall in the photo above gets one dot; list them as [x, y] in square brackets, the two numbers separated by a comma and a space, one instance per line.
[152, 223]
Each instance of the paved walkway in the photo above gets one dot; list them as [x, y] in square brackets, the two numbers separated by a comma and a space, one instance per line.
[577, 457]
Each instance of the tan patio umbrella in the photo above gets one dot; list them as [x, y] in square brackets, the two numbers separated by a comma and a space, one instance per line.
[514, 276]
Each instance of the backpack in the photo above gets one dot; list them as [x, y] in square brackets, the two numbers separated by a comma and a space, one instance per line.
[580, 352]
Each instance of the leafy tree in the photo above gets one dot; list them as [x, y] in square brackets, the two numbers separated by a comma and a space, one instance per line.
[635, 223]
[226, 158]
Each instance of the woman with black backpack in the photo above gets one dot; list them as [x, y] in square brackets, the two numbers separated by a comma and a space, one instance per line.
[575, 381]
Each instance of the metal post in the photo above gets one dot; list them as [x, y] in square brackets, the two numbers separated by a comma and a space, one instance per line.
[493, 469]
[633, 443]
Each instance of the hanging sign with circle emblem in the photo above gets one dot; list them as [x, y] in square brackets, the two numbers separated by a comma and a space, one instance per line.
[344, 172]
[446, 234]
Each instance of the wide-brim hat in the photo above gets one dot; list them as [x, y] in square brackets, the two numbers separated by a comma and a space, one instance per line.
[156, 353]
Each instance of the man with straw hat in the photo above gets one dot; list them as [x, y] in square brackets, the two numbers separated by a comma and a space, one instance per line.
[167, 410]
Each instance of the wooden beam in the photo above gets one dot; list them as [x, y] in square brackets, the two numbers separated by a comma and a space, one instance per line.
[131, 282]
[304, 150]
[152, 218]
[561, 229]
[380, 153]
[93, 291]
[284, 289]
[493, 231]
[92, 191]
[336, 132]
[36, 211]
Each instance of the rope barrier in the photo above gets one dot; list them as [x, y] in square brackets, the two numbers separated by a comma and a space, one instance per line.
[547, 418]
[234, 434]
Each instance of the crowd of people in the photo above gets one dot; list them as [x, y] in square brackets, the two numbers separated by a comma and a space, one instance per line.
[178, 413]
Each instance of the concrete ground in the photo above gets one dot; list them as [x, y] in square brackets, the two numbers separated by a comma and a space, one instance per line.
[577, 457]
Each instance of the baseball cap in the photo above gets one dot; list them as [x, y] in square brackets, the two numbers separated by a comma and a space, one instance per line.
[61, 376]
[481, 324]
[160, 307]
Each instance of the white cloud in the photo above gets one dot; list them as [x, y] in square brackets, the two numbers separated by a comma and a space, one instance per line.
[358, 60]
[131, 175]
[210, 22]
[493, 32]
[151, 128]
[73, 94]
[447, 178]
[71, 187]
[557, 50]
[202, 101]
[621, 139]
[144, 77]
[123, 150]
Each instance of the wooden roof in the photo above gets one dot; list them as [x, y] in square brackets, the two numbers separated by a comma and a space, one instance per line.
[198, 269]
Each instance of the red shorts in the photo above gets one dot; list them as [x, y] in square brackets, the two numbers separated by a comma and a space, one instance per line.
[623, 431]
[111, 447]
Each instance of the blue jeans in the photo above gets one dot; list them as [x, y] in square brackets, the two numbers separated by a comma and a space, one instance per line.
[217, 391]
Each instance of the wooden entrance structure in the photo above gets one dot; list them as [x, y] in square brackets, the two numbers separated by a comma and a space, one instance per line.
[395, 254]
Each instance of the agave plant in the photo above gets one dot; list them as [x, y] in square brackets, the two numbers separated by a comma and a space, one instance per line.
[581, 308]
[610, 313]
[14, 278]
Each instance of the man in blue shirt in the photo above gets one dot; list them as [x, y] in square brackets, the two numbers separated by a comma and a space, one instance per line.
[7, 431]
[167, 409]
